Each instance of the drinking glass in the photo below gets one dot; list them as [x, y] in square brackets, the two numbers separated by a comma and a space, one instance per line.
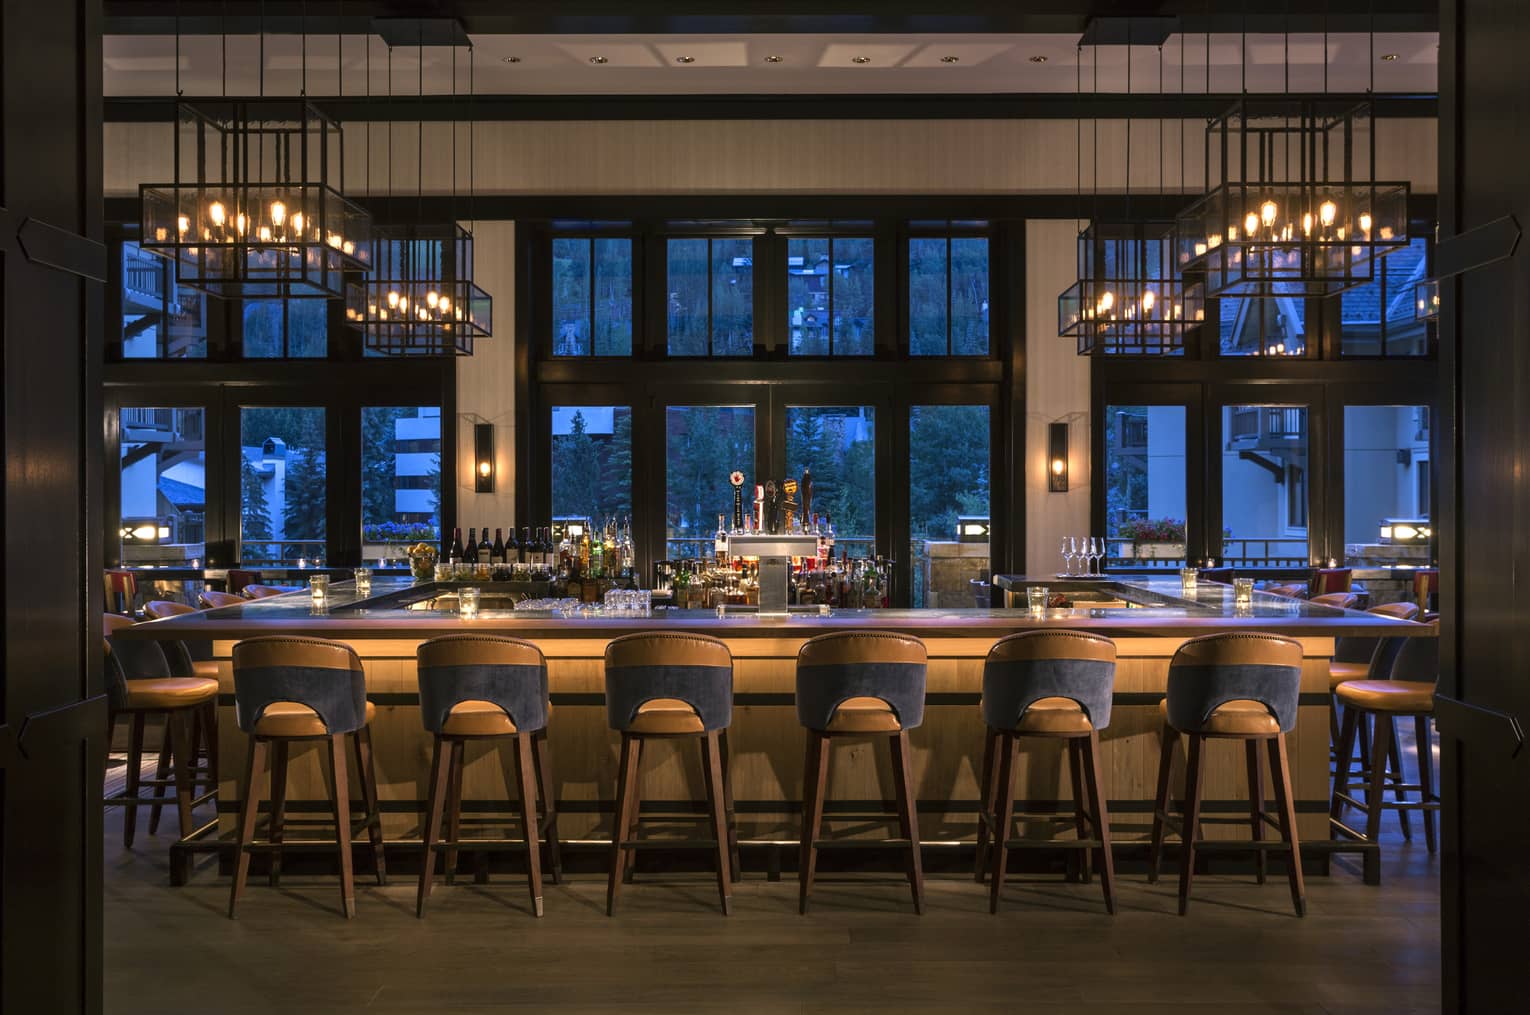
[1097, 551]
[318, 587]
[1243, 591]
[1189, 580]
[444, 572]
[1036, 600]
[1066, 550]
[363, 576]
[467, 603]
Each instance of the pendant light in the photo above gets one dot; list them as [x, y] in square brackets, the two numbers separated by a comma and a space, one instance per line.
[254, 209]
[421, 299]
[1293, 207]
[1128, 299]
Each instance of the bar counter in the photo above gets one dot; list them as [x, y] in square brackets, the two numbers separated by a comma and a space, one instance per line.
[1148, 617]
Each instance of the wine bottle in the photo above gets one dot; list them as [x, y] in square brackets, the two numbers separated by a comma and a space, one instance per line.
[485, 549]
[512, 548]
[526, 547]
[548, 551]
[454, 552]
[497, 551]
[470, 551]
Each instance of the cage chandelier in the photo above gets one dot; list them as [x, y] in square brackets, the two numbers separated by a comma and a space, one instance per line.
[421, 299]
[1129, 299]
[254, 208]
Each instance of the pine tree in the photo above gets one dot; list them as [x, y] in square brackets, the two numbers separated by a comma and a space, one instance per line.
[616, 472]
[254, 512]
[304, 516]
[378, 426]
[576, 471]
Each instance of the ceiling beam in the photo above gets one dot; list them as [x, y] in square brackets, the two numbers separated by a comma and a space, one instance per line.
[751, 17]
[954, 106]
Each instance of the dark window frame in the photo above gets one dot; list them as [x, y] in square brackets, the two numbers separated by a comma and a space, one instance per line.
[613, 231]
[829, 232]
[949, 230]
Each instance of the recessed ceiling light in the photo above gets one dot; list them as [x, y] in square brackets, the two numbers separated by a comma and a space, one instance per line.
[512, 59]
[950, 59]
[1388, 57]
[774, 59]
[860, 59]
[685, 59]
[1038, 59]
[597, 59]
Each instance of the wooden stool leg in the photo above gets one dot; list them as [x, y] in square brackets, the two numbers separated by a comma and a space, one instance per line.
[1195, 769]
[1343, 761]
[547, 797]
[634, 815]
[1256, 807]
[525, 775]
[1007, 746]
[178, 729]
[1080, 806]
[454, 809]
[717, 808]
[210, 742]
[367, 770]
[439, 770]
[988, 776]
[815, 774]
[734, 864]
[1280, 776]
[1364, 739]
[249, 802]
[1381, 747]
[626, 789]
[279, 756]
[1167, 738]
[161, 773]
[1101, 818]
[1426, 776]
[908, 815]
[340, 796]
[134, 774]
[1399, 777]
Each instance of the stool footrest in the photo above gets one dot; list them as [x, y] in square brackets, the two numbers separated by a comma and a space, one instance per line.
[123, 800]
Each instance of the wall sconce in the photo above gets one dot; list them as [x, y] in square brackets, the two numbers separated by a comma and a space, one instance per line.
[1057, 458]
[483, 457]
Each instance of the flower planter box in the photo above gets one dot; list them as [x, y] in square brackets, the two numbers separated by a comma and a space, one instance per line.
[1158, 551]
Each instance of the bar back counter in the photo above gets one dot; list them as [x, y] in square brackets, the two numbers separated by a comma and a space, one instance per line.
[1148, 618]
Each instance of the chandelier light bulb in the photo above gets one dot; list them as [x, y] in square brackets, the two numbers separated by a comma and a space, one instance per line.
[1251, 223]
[393, 298]
[446, 304]
[432, 298]
[265, 234]
[403, 303]
[216, 212]
[1107, 300]
[239, 223]
[1307, 224]
[1327, 213]
[1267, 213]
[278, 214]
[348, 248]
[1148, 299]
[297, 222]
[1365, 222]
[182, 224]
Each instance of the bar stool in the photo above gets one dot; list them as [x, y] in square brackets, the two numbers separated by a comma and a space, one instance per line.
[204, 728]
[1233, 686]
[859, 684]
[1327, 580]
[1426, 583]
[141, 682]
[480, 687]
[1366, 659]
[1220, 575]
[265, 591]
[213, 599]
[121, 592]
[1289, 591]
[1408, 692]
[663, 685]
[291, 690]
[1337, 600]
[1058, 685]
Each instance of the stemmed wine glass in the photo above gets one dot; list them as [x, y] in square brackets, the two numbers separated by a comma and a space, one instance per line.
[1067, 552]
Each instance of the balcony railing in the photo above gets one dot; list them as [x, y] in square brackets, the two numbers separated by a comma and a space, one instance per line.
[281, 552]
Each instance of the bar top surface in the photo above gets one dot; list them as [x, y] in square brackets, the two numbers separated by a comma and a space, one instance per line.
[399, 608]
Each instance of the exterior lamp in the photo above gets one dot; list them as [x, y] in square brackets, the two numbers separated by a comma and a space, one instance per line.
[1057, 457]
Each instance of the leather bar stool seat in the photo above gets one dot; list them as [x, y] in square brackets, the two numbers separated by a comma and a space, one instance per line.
[1337, 600]
[1239, 686]
[266, 591]
[212, 599]
[1409, 691]
[1289, 591]
[671, 685]
[476, 687]
[859, 684]
[288, 691]
[1057, 685]
[148, 678]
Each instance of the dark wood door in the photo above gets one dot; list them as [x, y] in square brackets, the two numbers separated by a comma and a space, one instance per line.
[52, 717]
[1485, 544]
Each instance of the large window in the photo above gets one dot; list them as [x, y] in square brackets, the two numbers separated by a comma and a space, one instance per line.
[160, 319]
[592, 462]
[948, 295]
[837, 445]
[1273, 326]
[949, 477]
[1145, 491]
[830, 290]
[277, 329]
[1386, 481]
[400, 481]
[703, 445]
[282, 485]
[592, 296]
[1264, 485]
[164, 486]
[711, 296]
[1378, 318]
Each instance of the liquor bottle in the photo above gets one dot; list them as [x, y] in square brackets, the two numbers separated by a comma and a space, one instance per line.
[549, 548]
[828, 525]
[584, 551]
[497, 551]
[597, 556]
[720, 543]
[629, 551]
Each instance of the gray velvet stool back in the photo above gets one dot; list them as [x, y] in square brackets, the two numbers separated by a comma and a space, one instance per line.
[861, 664]
[692, 668]
[326, 676]
[1024, 668]
[1418, 660]
[1360, 650]
[1208, 672]
[131, 659]
[475, 667]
